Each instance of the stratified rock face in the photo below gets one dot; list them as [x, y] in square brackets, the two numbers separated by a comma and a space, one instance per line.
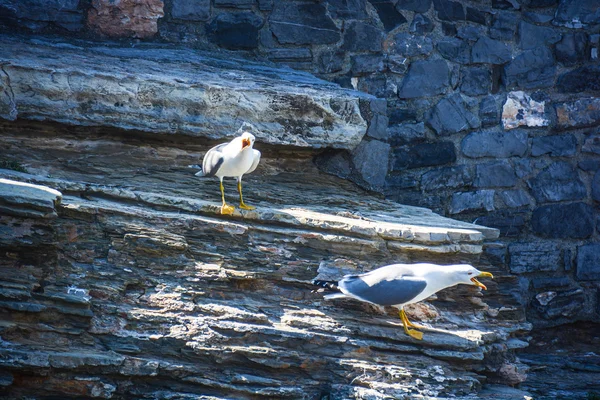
[178, 91]
[140, 289]
[39, 14]
[125, 18]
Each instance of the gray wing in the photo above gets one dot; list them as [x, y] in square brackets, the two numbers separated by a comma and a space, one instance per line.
[255, 162]
[385, 292]
[213, 160]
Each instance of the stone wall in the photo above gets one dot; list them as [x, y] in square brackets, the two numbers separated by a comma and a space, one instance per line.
[491, 108]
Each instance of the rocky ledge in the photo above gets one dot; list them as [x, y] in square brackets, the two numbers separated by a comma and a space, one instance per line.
[165, 90]
[134, 286]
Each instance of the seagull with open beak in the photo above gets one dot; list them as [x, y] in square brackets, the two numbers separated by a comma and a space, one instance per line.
[233, 159]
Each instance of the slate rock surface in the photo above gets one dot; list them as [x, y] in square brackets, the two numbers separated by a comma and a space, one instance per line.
[174, 299]
[182, 92]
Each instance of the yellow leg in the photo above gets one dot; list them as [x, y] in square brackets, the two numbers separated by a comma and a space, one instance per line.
[242, 204]
[408, 322]
[410, 332]
[226, 209]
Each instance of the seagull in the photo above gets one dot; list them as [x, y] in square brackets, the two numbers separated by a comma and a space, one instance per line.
[233, 159]
[397, 285]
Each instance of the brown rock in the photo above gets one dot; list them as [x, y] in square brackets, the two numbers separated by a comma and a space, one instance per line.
[125, 18]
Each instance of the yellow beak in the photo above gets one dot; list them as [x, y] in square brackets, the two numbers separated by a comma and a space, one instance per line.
[481, 275]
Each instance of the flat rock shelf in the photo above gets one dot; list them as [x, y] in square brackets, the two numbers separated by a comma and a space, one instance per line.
[166, 90]
[124, 281]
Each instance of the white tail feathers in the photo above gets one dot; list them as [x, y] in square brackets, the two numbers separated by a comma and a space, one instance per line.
[334, 296]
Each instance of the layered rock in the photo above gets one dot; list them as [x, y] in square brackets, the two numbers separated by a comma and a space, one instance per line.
[177, 91]
[139, 288]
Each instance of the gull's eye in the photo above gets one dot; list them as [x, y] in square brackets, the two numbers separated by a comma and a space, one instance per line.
[470, 273]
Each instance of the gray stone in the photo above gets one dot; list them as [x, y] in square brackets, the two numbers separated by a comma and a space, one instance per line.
[481, 200]
[377, 85]
[504, 26]
[64, 13]
[582, 79]
[495, 174]
[515, 198]
[533, 257]
[265, 5]
[575, 13]
[455, 49]
[596, 187]
[347, 9]
[537, 18]
[506, 4]
[28, 200]
[475, 81]
[588, 262]
[397, 64]
[556, 146]
[302, 23]
[423, 155]
[8, 107]
[474, 15]
[282, 55]
[495, 253]
[551, 283]
[490, 51]
[405, 133]
[408, 45]
[558, 182]
[378, 127]
[489, 111]
[523, 167]
[366, 64]
[447, 177]
[388, 14]
[331, 61]
[533, 36]
[236, 30]
[579, 114]
[235, 3]
[421, 24]
[571, 49]
[379, 106]
[360, 36]
[335, 162]
[539, 3]
[531, 69]
[424, 79]
[510, 224]
[589, 165]
[191, 10]
[419, 6]
[591, 144]
[371, 160]
[449, 29]
[449, 10]
[495, 143]
[471, 33]
[451, 115]
[401, 181]
[563, 221]
[183, 92]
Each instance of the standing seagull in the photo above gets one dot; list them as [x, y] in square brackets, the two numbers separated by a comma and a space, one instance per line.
[400, 284]
[234, 159]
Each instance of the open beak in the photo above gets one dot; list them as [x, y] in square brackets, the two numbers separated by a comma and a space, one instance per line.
[481, 275]
[245, 143]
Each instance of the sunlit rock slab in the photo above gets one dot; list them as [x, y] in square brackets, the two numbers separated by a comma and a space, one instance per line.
[165, 90]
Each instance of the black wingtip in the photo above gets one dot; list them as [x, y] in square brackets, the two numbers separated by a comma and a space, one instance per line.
[331, 285]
